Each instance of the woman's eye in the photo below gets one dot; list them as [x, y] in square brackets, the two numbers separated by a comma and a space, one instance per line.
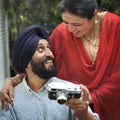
[66, 23]
[72, 24]
[76, 25]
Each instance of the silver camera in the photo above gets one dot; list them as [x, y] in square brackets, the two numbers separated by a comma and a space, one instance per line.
[63, 91]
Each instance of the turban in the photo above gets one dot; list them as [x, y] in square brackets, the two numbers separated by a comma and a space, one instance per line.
[26, 45]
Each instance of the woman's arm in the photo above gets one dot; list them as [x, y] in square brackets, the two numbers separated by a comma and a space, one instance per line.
[7, 92]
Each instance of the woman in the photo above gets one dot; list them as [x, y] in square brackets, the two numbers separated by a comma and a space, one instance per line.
[86, 49]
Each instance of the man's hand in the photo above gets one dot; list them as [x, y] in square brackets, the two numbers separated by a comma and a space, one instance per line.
[80, 105]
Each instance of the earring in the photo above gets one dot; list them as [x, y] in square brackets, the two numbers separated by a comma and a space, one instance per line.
[96, 20]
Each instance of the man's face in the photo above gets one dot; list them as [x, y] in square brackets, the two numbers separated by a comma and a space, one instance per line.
[42, 62]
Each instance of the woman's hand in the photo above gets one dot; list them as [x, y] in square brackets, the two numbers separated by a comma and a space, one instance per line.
[6, 94]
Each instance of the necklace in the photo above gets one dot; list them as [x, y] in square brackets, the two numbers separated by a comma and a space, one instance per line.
[91, 46]
[91, 43]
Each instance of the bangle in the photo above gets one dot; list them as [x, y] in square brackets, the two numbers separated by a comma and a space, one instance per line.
[22, 75]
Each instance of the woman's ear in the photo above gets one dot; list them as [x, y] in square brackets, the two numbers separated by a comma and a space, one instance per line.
[95, 12]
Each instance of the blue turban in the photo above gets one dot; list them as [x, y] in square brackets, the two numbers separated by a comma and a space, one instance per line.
[26, 45]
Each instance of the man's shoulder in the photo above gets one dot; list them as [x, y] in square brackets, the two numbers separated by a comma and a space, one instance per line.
[111, 18]
[21, 89]
[55, 79]
[7, 114]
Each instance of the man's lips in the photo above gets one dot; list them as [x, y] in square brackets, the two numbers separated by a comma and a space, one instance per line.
[49, 62]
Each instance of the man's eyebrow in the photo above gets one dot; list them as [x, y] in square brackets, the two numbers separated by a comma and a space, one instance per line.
[39, 45]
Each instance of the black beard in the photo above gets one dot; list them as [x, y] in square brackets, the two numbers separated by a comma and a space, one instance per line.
[40, 70]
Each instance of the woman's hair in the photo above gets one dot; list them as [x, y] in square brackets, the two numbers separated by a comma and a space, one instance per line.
[83, 8]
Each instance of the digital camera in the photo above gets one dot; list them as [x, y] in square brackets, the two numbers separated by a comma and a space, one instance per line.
[63, 91]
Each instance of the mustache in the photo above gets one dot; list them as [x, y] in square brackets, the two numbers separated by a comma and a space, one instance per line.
[47, 59]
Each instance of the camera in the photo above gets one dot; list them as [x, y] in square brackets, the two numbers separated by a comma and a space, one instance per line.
[62, 91]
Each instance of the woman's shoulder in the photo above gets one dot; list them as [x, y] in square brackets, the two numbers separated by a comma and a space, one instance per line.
[58, 31]
[60, 27]
[110, 19]
[111, 16]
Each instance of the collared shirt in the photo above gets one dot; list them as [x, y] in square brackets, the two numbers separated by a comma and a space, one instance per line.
[29, 105]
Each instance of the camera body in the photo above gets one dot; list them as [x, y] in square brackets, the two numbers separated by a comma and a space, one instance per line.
[62, 91]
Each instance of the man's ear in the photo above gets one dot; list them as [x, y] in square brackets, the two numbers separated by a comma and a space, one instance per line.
[28, 67]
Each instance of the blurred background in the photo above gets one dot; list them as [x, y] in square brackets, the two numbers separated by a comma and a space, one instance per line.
[17, 14]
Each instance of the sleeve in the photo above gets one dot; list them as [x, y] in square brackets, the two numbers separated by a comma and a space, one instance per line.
[95, 115]
[107, 95]
[73, 117]
[56, 43]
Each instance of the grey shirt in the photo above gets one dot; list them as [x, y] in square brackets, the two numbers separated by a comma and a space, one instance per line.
[29, 105]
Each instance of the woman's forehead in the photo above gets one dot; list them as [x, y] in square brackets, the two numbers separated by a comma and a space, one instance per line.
[71, 18]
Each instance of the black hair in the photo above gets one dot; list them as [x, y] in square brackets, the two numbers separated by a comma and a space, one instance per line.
[83, 8]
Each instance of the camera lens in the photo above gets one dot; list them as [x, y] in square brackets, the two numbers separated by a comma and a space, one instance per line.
[61, 99]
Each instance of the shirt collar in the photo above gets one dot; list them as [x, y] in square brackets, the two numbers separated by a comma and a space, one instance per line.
[44, 87]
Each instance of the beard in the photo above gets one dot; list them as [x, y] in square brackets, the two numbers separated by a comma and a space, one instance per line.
[41, 70]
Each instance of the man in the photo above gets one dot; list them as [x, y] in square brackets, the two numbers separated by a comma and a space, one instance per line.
[32, 55]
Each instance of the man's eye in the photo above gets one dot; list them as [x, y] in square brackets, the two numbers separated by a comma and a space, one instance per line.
[49, 47]
[40, 49]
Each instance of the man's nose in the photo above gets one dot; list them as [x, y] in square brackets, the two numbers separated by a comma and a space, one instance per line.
[49, 53]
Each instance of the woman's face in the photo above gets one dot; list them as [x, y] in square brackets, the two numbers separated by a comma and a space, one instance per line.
[76, 25]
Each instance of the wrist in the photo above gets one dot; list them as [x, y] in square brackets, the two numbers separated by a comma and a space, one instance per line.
[21, 75]
[90, 99]
[91, 117]
[82, 115]
[10, 81]
[15, 80]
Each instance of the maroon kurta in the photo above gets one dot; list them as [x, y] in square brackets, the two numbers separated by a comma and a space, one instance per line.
[102, 78]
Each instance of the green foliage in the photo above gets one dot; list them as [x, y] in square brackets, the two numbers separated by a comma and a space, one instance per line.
[111, 5]
[24, 12]
[45, 12]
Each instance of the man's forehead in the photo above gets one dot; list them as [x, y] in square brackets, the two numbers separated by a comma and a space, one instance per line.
[43, 42]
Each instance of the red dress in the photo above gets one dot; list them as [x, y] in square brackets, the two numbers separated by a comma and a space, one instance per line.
[102, 78]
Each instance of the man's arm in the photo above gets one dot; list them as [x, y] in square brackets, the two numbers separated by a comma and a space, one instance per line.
[80, 106]
[88, 115]
[7, 92]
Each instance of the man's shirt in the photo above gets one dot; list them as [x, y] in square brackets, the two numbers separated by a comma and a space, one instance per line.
[29, 105]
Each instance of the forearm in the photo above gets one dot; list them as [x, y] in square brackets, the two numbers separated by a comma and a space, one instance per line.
[15, 80]
[92, 117]
[87, 116]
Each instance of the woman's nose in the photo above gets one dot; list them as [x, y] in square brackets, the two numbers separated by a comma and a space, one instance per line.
[71, 28]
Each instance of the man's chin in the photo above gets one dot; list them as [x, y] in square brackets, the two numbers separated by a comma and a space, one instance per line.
[49, 67]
